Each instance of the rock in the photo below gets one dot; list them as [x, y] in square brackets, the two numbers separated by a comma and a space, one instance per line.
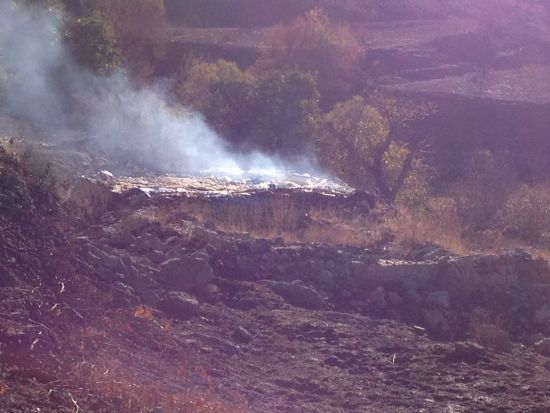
[201, 237]
[122, 240]
[438, 299]
[465, 352]
[109, 267]
[105, 177]
[324, 277]
[135, 223]
[242, 334]
[201, 254]
[136, 196]
[535, 338]
[125, 294]
[180, 305]
[543, 347]
[80, 240]
[298, 294]
[332, 361]
[185, 273]
[156, 256]
[428, 253]
[208, 292]
[378, 298]
[89, 198]
[148, 242]
[146, 288]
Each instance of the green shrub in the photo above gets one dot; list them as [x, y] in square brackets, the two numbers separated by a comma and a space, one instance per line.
[93, 43]
[275, 112]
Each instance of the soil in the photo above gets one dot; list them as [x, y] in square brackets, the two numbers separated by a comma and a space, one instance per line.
[84, 328]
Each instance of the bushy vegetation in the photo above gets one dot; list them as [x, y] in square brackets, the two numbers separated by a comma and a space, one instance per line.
[93, 44]
[308, 93]
[105, 34]
[315, 44]
[275, 111]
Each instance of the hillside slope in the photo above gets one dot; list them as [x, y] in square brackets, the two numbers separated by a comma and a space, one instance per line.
[126, 302]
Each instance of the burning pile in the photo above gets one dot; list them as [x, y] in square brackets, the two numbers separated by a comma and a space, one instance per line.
[296, 207]
[220, 184]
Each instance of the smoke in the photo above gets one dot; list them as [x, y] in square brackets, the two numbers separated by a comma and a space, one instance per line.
[46, 87]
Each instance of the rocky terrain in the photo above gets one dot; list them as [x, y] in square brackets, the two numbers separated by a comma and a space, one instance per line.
[121, 299]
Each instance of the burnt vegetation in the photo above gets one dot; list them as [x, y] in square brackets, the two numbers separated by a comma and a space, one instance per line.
[196, 296]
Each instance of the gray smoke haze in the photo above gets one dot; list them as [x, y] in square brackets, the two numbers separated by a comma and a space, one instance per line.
[46, 87]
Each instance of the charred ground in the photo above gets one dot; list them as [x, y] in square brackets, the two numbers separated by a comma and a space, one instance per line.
[141, 303]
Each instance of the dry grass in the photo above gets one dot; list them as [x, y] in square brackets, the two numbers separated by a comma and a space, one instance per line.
[281, 217]
[438, 224]
[490, 330]
[132, 379]
[440, 221]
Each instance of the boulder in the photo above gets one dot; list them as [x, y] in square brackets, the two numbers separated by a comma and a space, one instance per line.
[324, 277]
[242, 334]
[134, 223]
[298, 294]
[156, 256]
[136, 196]
[180, 305]
[465, 352]
[122, 240]
[187, 273]
[148, 242]
[89, 198]
[146, 288]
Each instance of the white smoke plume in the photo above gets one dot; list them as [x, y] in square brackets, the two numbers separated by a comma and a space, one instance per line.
[47, 88]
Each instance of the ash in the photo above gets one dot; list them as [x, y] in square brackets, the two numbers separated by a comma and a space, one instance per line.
[218, 182]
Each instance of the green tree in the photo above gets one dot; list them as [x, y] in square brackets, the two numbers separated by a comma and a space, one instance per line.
[287, 111]
[138, 28]
[275, 112]
[223, 93]
[93, 43]
[199, 76]
[360, 143]
[135, 23]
